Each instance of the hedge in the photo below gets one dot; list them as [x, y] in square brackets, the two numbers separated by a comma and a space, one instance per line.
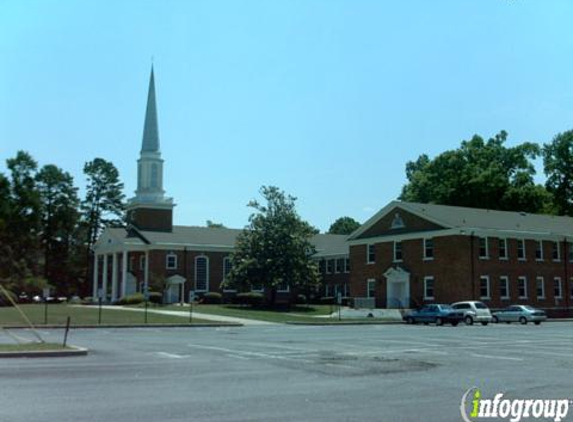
[251, 298]
[212, 298]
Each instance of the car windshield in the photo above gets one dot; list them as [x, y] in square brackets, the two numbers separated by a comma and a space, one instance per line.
[480, 305]
[529, 308]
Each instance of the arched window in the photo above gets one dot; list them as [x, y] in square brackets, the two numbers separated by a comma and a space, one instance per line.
[201, 274]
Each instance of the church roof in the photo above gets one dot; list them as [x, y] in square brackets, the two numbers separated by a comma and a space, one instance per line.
[150, 141]
[218, 238]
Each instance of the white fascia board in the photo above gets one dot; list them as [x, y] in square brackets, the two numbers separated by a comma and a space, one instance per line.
[192, 247]
[406, 236]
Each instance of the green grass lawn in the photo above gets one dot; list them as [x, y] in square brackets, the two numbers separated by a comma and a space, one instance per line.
[31, 347]
[83, 315]
[299, 313]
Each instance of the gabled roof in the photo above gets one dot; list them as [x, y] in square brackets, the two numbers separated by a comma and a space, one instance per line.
[211, 237]
[519, 223]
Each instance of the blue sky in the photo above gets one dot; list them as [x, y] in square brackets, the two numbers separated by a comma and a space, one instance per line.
[326, 99]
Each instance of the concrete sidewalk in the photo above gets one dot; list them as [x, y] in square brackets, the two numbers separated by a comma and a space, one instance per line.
[185, 314]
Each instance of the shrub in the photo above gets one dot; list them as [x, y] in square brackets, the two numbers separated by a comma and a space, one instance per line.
[327, 300]
[156, 298]
[4, 301]
[301, 299]
[133, 299]
[347, 301]
[250, 298]
[212, 298]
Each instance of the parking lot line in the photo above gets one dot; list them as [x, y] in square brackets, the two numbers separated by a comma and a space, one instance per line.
[476, 355]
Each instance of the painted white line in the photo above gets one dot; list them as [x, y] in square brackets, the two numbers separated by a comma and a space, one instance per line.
[170, 355]
[246, 353]
[495, 357]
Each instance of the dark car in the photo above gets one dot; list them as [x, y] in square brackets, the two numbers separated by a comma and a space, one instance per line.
[438, 314]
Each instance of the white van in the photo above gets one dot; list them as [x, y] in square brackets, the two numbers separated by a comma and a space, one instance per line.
[474, 311]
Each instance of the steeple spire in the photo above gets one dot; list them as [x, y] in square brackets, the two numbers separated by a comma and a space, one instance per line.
[150, 141]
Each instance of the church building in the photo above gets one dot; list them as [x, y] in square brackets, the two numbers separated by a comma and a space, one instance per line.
[151, 250]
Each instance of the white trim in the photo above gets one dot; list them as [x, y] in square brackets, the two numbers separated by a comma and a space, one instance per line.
[206, 274]
[505, 248]
[394, 259]
[488, 286]
[524, 258]
[486, 240]
[558, 244]
[287, 290]
[425, 257]
[171, 255]
[426, 279]
[370, 281]
[539, 248]
[560, 284]
[505, 280]
[519, 280]
[537, 279]
[368, 246]
[142, 262]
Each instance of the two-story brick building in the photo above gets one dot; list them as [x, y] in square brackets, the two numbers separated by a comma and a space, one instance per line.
[409, 254]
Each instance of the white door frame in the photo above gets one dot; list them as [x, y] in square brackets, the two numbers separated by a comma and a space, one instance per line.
[397, 278]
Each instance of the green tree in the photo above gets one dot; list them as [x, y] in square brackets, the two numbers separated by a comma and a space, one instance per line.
[558, 167]
[213, 225]
[103, 204]
[275, 249]
[59, 219]
[479, 174]
[343, 225]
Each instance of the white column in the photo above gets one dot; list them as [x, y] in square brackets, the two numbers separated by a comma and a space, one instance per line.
[96, 280]
[114, 278]
[104, 278]
[124, 274]
[146, 273]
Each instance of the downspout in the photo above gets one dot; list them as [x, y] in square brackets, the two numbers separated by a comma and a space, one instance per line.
[472, 265]
[567, 286]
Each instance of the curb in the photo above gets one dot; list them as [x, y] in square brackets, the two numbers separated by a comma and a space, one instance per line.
[338, 323]
[73, 351]
[80, 327]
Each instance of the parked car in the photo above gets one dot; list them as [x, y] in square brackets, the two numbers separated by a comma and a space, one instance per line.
[473, 311]
[436, 313]
[520, 313]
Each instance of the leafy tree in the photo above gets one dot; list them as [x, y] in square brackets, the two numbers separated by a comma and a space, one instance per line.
[103, 204]
[275, 249]
[479, 174]
[343, 225]
[59, 218]
[558, 166]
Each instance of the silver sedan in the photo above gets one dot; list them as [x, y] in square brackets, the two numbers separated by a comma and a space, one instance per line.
[520, 313]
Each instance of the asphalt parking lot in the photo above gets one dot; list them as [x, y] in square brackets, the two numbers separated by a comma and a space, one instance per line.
[287, 373]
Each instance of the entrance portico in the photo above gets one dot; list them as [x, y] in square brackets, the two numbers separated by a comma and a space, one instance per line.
[397, 288]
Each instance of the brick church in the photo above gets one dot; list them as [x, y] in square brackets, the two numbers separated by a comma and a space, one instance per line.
[406, 255]
[153, 251]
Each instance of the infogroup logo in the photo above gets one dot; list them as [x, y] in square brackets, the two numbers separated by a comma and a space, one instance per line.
[474, 407]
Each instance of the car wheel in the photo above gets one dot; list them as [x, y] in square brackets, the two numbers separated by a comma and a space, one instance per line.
[495, 319]
[409, 320]
[469, 320]
[537, 322]
[522, 320]
[484, 323]
[439, 321]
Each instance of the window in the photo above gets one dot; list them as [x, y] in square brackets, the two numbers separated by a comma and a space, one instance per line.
[345, 290]
[557, 288]
[484, 287]
[347, 265]
[521, 249]
[330, 266]
[327, 290]
[227, 267]
[340, 265]
[556, 255]
[540, 288]
[171, 261]
[483, 248]
[142, 262]
[257, 287]
[371, 254]
[428, 249]
[201, 274]
[371, 287]
[397, 251]
[502, 248]
[429, 288]
[504, 287]
[570, 250]
[539, 250]
[283, 287]
[522, 287]
[322, 266]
